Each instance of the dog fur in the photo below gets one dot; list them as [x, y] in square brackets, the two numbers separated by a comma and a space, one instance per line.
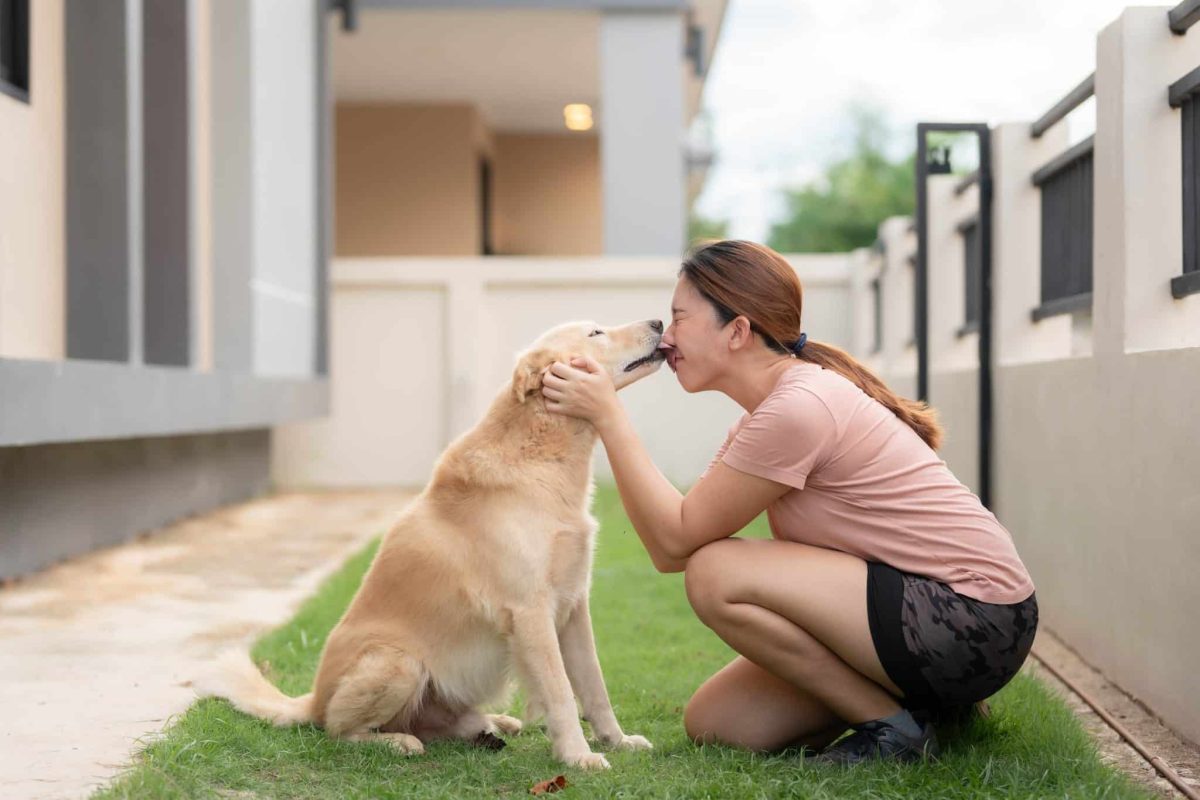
[486, 574]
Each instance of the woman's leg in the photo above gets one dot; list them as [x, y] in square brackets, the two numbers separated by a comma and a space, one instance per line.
[743, 705]
[800, 613]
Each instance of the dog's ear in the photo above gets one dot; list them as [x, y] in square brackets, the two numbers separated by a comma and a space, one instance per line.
[531, 368]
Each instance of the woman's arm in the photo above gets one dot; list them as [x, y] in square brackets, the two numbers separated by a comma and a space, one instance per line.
[654, 505]
[670, 525]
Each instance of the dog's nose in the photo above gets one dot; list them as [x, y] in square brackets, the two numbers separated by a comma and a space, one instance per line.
[655, 325]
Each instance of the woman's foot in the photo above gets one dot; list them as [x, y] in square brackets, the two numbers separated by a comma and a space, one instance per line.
[880, 740]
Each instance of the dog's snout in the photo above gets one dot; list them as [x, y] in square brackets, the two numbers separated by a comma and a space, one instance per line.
[655, 325]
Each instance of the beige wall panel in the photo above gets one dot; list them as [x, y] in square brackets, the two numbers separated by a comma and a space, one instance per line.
[407, 180]
[547, 195]
[32, 183]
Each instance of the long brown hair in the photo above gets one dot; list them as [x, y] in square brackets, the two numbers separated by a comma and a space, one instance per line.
[751, 280]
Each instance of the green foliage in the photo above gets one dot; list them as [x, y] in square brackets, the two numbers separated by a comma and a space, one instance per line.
[700, 228]
[843, 210]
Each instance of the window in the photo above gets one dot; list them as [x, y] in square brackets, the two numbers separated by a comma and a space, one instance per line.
[1066, 185]
[1183, 95]
[14, 48]
[972, 300]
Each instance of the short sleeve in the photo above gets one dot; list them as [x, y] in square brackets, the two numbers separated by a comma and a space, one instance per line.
[786, 438]
[733, 429]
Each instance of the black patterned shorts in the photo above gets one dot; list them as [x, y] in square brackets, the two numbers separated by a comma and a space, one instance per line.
[942, 648]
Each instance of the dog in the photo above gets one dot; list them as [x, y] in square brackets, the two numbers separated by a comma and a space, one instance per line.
[485, 574]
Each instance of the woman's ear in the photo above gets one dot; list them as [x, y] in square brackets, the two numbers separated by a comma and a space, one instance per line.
[531, 368]
[741, 333]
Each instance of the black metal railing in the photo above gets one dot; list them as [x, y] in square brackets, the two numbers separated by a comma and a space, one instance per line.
[969, 230]
[1075, 98]
[14, 49]
[966, 182]
[1184, 94]
[1066, 185]
[1184, 16]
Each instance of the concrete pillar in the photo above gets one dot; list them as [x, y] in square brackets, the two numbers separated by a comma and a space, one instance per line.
[266, 228]
[231, 164]
[103, 171]
[642, 133]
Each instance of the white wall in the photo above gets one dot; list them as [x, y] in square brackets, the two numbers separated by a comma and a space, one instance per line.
[1096, 442]
[284, 120]
[642, 133]
[421, 346]
[1139, 225]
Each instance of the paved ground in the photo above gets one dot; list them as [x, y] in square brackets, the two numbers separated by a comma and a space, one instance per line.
[93, 652]
[1182, 755]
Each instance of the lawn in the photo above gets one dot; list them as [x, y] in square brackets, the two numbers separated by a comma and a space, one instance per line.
[654, 654]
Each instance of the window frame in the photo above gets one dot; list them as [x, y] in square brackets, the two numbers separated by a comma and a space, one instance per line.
[1077, 158]
[1184, 95]
[14, 49]
[968, 229]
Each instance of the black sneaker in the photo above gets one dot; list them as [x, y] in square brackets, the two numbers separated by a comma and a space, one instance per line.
[879, 740]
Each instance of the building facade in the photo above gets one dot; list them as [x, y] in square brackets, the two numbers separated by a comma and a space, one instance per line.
[176, 175]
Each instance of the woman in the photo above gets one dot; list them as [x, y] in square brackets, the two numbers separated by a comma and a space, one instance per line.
[889, 594]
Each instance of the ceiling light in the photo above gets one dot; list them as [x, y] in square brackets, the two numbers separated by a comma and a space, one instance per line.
[578, 116]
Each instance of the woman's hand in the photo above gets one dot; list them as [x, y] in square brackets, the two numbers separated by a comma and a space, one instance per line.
[582, 389]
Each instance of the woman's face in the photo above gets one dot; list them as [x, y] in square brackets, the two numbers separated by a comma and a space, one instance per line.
[695, 339]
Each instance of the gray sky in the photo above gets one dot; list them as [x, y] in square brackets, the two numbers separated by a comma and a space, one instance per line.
[786, 71]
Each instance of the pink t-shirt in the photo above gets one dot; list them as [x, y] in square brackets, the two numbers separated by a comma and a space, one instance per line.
[865, 483]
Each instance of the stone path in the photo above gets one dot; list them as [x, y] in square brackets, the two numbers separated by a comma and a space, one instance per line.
[1182, 755]
[94, 652]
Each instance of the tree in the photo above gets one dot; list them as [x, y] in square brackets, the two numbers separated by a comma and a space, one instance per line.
[700, 228]
[843, 209]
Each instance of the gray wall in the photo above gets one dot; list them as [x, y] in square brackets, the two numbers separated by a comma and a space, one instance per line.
[103, 244]
[61, 500]
[955, 396]
[1097, 476]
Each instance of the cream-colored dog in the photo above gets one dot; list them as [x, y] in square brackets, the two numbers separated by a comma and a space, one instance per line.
[487, 570]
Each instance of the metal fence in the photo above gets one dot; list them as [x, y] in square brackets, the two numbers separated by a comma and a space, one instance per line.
[1066, 185]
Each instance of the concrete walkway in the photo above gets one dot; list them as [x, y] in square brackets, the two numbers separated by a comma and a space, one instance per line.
[93, 652]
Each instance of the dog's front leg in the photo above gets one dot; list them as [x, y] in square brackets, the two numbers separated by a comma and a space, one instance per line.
[583, 669]
[540, 664]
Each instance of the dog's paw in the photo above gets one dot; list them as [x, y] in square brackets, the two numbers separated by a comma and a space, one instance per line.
[633, 742]
[506, 724]
[586, 761]
[403, 743]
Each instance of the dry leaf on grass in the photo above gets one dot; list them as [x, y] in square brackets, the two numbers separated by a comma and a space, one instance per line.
[553, 785]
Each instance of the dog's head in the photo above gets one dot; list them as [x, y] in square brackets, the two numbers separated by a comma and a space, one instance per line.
[628, 352]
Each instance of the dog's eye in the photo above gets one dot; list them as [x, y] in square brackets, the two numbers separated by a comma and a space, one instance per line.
[596, 332]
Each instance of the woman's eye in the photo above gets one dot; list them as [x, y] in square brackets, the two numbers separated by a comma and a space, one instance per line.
[596, 332]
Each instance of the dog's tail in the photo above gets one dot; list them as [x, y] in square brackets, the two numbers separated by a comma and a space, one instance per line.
[234, 677]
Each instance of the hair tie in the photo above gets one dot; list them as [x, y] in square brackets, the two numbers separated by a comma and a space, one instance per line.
[799, 345]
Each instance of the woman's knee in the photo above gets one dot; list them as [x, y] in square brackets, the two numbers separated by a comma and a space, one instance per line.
[699, 720]
[709, 719]
[707, 576]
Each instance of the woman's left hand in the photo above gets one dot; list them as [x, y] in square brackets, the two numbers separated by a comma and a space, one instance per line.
[582, 389]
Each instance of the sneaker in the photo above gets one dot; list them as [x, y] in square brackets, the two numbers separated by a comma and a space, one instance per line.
[879, 740]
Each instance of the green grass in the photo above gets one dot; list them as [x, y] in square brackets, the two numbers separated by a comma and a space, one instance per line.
[654, 654]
